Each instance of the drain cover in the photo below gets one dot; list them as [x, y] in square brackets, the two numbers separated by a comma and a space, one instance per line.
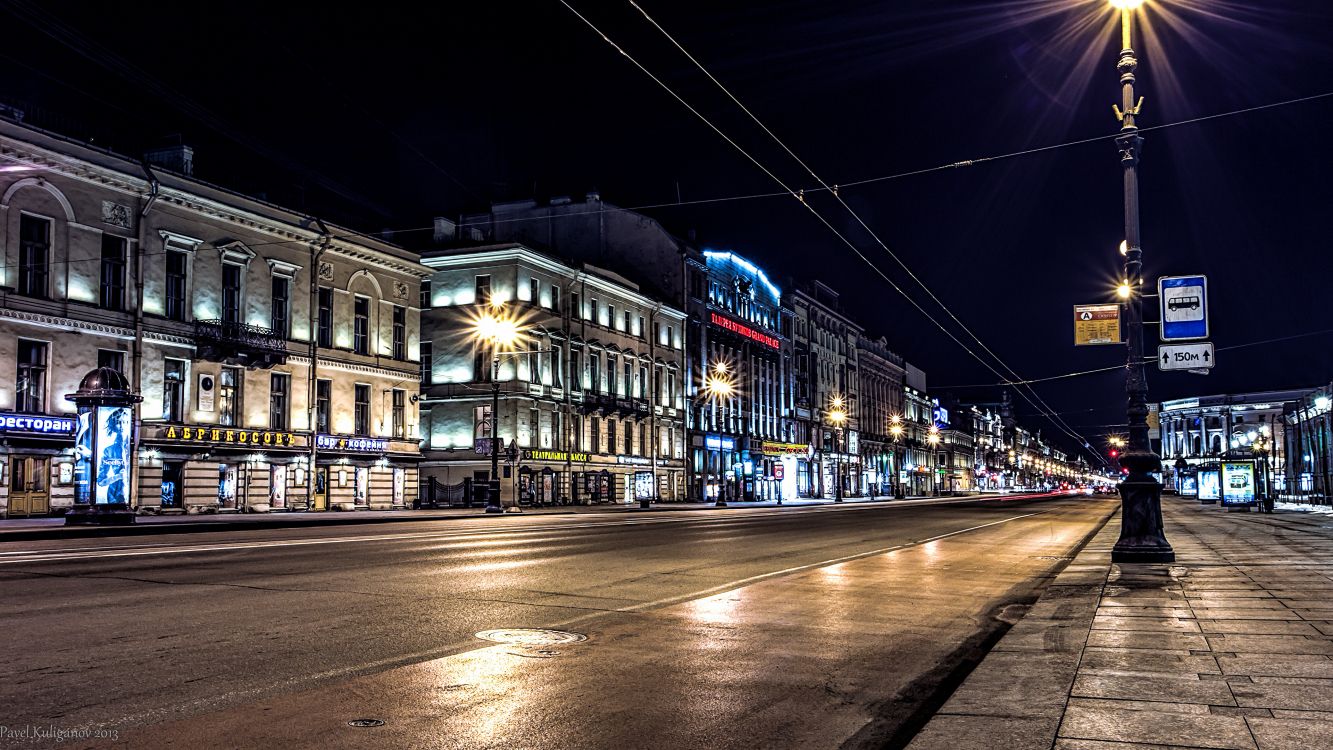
[365, 723]
[531, 636]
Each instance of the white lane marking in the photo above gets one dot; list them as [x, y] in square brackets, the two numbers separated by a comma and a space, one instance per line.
[43, 556]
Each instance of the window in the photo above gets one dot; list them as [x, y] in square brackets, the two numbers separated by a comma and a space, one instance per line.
[230, 381]
[481, 422]
[362, 410]
[641, 331]
[34, 255]
[579, 442]
[534, 426]
[610, 316]
[575, 370]
[427, 355]
[399, 332]
[595, 372]
[325, 317]
[113, 359]
[173, 390]
[592, 310]
[611, 389]
[231, 293]
[534, 292]
[534, 362]
[399, 413]
[610, 436]
[595, 435]
[177, 263]
[424, 303]
[277, 401]
[629, 320]
[627, 385]
[643, 383]
[629, 438]
[361, 325]
[556, 364]
[280, 316]
[30, 390]
[575, 306]
[483, 290]
[113, 272]
[555, 298]
[323, 404]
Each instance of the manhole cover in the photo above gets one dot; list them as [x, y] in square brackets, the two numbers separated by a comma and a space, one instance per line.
[365, 723]
[531, 636]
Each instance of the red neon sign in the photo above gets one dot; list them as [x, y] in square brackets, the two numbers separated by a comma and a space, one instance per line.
[745, 331]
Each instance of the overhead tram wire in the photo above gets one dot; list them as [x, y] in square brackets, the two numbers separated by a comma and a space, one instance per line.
[803, 202]
[1054, 417]
[1080, 373]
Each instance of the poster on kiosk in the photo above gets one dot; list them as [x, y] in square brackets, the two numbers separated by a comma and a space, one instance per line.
[1238, 483]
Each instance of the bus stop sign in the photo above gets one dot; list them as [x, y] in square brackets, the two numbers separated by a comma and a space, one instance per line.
[1184, 301]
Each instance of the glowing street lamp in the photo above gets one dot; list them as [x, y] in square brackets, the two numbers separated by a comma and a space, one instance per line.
[501, 331]
[717, 385]
[896, 430]
[1142, 539]
[837, 416]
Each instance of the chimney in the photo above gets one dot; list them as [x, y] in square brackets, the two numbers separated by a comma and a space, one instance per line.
[178, 159]
[445, 230]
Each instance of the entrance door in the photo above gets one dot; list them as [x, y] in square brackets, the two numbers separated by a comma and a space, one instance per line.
[29, 491]
[320, 499]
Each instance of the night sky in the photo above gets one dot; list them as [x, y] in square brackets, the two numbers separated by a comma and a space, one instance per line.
[381, 117]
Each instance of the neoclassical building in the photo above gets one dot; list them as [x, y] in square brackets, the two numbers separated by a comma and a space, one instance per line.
[276, 356]
[592, 396]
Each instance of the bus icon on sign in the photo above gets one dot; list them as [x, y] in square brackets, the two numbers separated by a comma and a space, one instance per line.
[1183, 303]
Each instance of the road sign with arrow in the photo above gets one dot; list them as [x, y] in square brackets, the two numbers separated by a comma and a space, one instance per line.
[1185, 356]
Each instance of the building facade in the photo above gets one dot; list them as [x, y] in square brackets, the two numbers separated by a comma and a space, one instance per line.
[1207, 430]
[920, 436]
[825, 343]
[275, 356]
[742, 444]
[1300, 461]
[883, 377]
[592, 397]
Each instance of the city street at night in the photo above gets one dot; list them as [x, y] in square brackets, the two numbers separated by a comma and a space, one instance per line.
[739, 628]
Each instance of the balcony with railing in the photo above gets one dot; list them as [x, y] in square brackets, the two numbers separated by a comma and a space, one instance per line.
[239, 344]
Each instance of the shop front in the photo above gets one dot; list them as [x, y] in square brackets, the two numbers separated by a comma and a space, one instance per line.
[550, 477]
[36, 464]
[782, 470]
[210, 469]
[364, 473]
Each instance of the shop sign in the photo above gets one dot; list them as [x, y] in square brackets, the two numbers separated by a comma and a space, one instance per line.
[1096, 324]
[342, 443]
[561, 456]
[779, 471]
[230, 436]
[719, 443]
[634, 460]
[37, 423]
[778, 449]
[737, 327]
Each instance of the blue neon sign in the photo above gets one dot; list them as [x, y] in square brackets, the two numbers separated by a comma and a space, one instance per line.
[37, 423]
[341, 443]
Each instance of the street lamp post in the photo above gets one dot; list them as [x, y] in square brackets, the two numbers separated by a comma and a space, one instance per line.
[716, 385]
[933, 439]
[1142, 539]
[501, 332]
[896, 430]
[837, 415]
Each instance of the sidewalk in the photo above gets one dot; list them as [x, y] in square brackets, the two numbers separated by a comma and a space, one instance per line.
[29, 529]
[1231, 647]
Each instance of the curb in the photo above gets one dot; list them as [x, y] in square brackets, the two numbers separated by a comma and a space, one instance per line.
[1016, 696]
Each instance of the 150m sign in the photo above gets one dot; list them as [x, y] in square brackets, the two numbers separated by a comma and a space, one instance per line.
[1185, 356]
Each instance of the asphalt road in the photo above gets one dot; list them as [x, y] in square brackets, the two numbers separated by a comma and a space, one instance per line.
[810, 627]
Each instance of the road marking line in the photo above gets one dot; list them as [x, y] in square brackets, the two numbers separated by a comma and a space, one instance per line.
[87, 553]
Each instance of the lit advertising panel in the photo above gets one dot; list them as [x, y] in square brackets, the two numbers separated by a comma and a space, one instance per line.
[83, 455]
[1237, 483]
[113, 455]
[1210, 485]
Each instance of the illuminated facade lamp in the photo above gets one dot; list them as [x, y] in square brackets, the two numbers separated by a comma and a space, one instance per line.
[104, 445]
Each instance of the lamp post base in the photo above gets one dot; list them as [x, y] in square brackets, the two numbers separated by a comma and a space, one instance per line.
[93, 515]
[1141, 537]
[493, 503]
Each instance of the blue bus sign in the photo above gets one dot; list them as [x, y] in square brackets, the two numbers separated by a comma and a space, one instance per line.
[1184, 301]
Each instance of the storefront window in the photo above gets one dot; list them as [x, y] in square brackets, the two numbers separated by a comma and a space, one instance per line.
[172, 474]
[362, 488]
[277, 486]
[227, 485]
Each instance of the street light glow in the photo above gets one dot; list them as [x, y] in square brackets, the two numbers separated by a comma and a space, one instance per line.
[1123, 291]
[497, 328]
[1127, 4]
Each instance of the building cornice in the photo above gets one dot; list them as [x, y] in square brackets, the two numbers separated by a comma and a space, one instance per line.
[67, 324]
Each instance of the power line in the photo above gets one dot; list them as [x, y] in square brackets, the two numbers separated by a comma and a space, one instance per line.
[1053, 416]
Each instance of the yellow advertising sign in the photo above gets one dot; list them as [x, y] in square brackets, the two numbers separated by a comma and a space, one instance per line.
[1096, 324]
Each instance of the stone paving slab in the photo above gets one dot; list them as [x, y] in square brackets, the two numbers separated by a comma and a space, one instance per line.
[1230, 647]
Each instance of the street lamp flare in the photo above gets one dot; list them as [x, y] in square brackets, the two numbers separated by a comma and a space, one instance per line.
[1127, 4]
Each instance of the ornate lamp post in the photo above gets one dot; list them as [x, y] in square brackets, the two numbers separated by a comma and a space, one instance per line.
[1142, 539]
[933, 439]
[837, 416]
[500, 331]
[896, 430]
[104, 447]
